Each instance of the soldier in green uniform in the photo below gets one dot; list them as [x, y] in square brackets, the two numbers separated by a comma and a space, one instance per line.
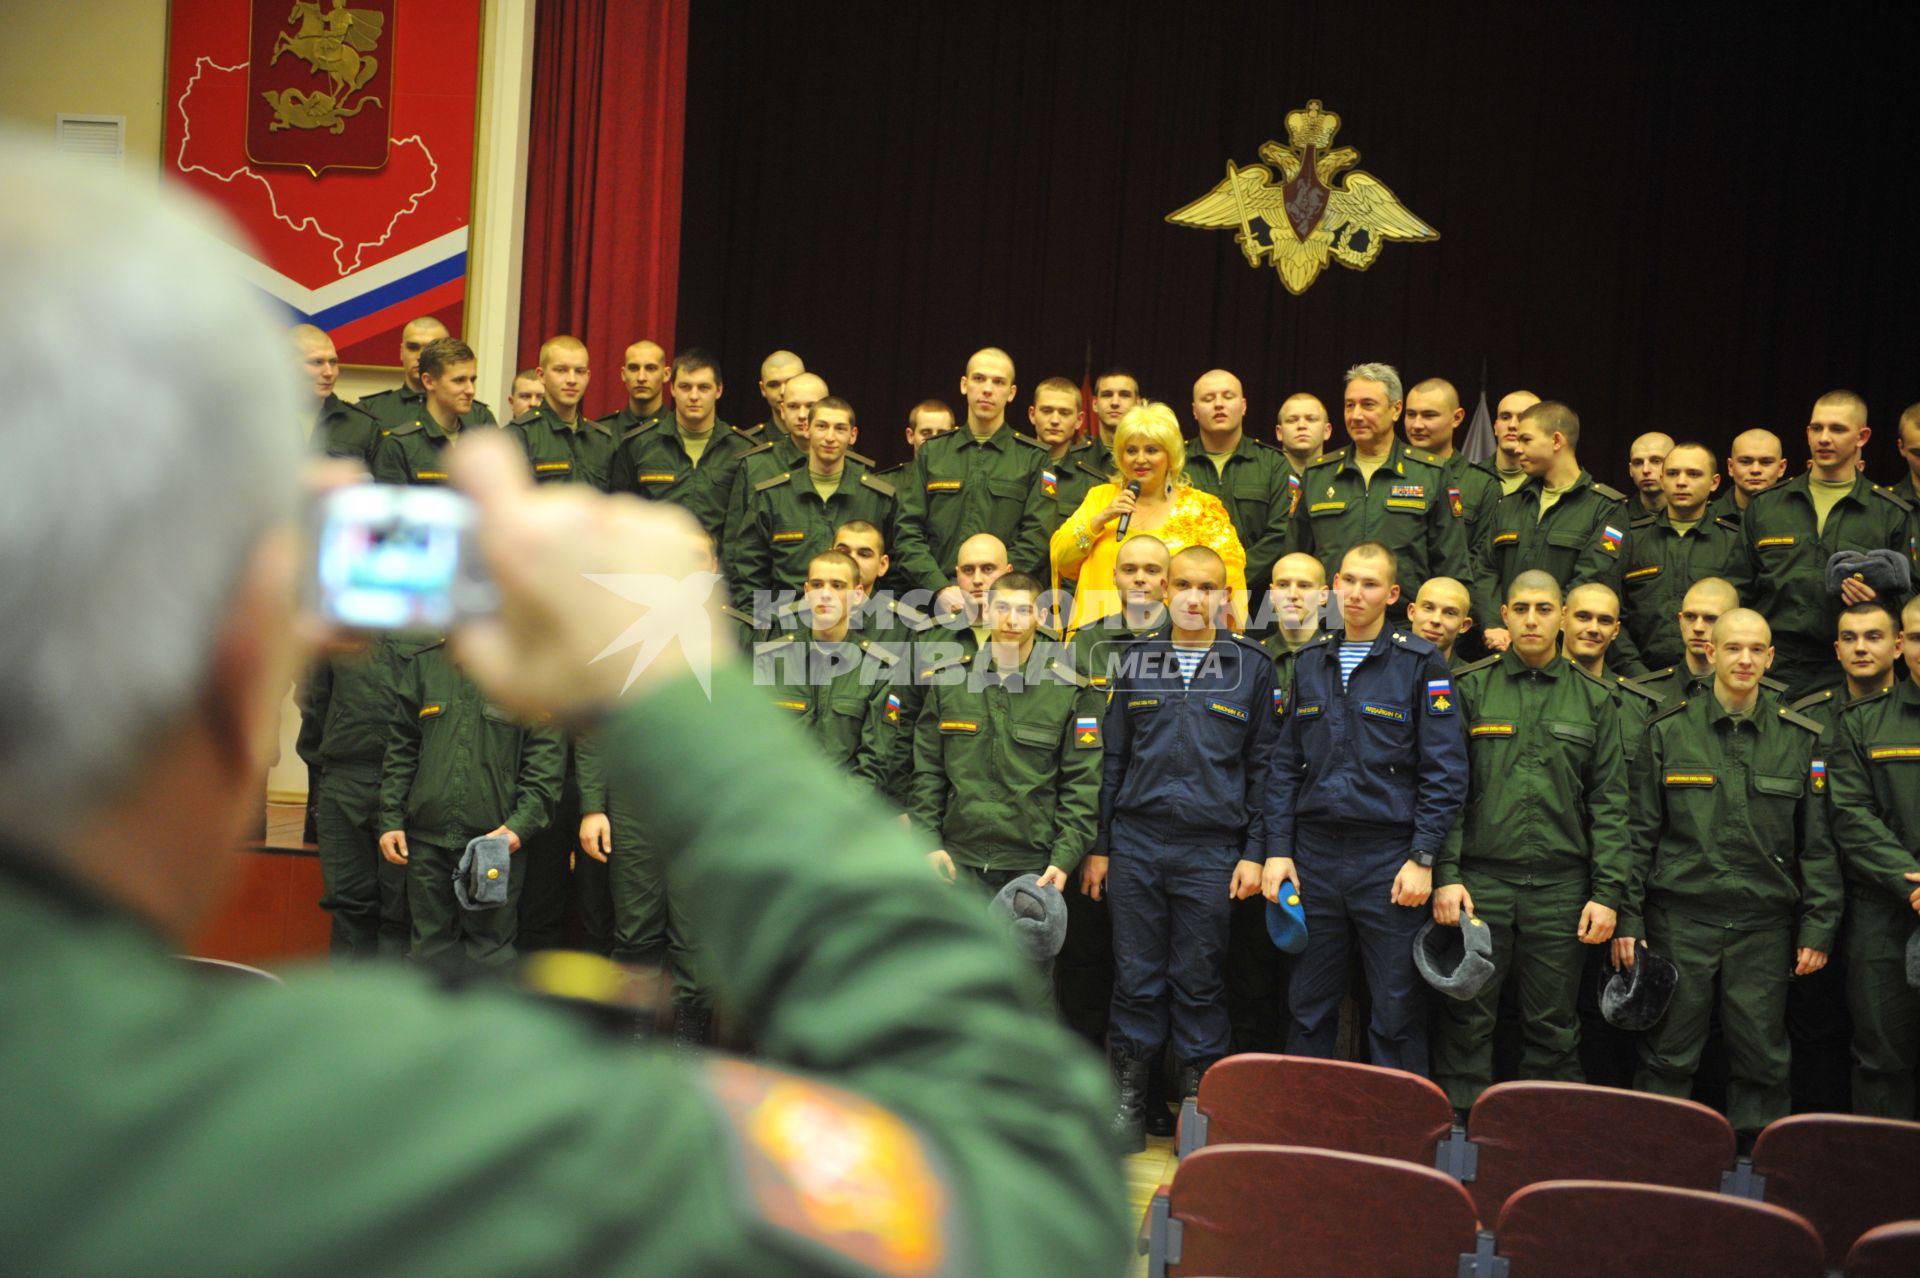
[369, 1120]
[560, 442]
[776, 370]
[1115, 393]
[1867, 646]
[1074, 465]
[415, 453]
[1006, 752]
[1794, 528]
[528, 392]
[1908, 485]
[1249, 477]
[1667, 552]
[685, 455]
[1505, 466]
[456, 767]
[925, 419]
[337, 428]
[1140, 577]
[405, 403]
[835, 682]
[345, 716]
[790, 517]
[1646, 466]
[780, 448]
[1539, 857]
[1380, 490]
[1302, 430]
[1875, 764]
[1755, 462]
[1440, 614]
[980, 478]
[1734, 877]
[1561, 520]
[643, 373]
[1705, 602]
[1433, 419]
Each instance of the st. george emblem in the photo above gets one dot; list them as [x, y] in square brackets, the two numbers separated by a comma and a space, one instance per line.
[315, 68]
[1310, 216]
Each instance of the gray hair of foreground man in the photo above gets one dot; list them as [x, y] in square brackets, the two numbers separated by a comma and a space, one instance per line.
[115, 583]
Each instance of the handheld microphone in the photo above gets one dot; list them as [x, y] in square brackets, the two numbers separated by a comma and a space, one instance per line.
[1121, 532]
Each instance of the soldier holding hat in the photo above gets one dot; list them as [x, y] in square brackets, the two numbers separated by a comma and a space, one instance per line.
[1735, 877]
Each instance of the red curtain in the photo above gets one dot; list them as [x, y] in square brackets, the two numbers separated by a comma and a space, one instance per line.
[601, 258]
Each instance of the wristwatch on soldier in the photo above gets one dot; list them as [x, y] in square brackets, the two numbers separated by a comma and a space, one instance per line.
[1422, 858]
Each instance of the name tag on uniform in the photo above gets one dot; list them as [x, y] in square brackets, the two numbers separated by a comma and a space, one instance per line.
[1380, 711]
[657, 477]
[1324, 507]
[1894, 753]
[789, 536]
[1767, 542]
[1506, 538]
[787, 703]
[551, 468]
[430, 476]
[1650, 571]
[1491, 730]
[1086, 732]
[427, 712]
[943, 485]
[1307, 711]
[1231, 712]
[959, 725]
[1144, 703]
[1702, 780]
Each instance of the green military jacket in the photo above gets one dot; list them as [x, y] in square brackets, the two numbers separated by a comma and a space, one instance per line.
[1659, 567]
[650, 460]
[881, 619]
[456, 765]
[1006, 768]
[1472, 492]
[1725, 505]
[1254, 488]
[958, 486]
[346, 708]
[1580, 540]
[1406, 508]
[1636, 704]
[414, 453]
[1785, 573]
[345, 430]
[1729, 822]
[783, 523]
[1283, 654]
[1874, 762]
[1676, 683]
[581, 453]
[880, 1011]
[401, 405]
[626, 420]
[1099, 646]
[846, 695]
[1547, 780]
[1065, 483]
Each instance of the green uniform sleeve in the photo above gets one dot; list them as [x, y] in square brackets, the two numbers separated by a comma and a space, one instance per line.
[913, 554]
[389, 464]
[1483, 576]
[1822, 889]
[314, 694]
[862, 968]
[403, 747]
[1448, 551]
[1595, 562]
[926, 782]
[1607, 803]
[1268, 544]
[1873, 852]
[873, 758]
[589, 773]
[1031, 551]
[748, 561]
[1646, 814]
[1076, 820]
[536, 798]
[1446, 861]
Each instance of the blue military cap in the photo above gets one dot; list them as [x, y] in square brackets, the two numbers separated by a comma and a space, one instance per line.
[1287, 921]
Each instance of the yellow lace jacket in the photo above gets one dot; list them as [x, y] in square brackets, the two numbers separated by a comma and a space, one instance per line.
[1197, 519]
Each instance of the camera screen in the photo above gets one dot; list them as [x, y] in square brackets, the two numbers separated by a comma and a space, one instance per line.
[389, 558]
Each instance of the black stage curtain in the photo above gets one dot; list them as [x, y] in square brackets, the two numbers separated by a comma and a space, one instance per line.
[1693, 218]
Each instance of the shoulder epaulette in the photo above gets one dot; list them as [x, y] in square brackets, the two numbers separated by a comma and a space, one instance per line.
[1066, 670]
[728, 610]
[1422, 455]
[1628, 685]
[602, 427]
[775, 482]
[862, 458]
[757, 449]
[910, 617]
[1870, 697]
[1609, 492]
[640, 430]
[1326, 459]
[1813, 699]
[1324, 637]
[1895, 498]
[1729, 522]
[531, 415]
[1795, 717]
[1671, 710]
[407, 429]
[1048, 633]
[1025, 439]
[769, 646]
[1642, 521]
[1769, 682]
[754, 431]
[379, 394]
[880, 486]
[1481, 664]
[944, 664]
[735, 430]
[1657, 674]
[880, 652]
[419, 646]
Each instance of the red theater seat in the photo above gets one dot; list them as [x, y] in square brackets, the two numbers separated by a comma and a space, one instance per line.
[1598, 1229]
[1250, 1211]
[1526, 1132]
[1889, 1251]
[1261, 1099]
[1845, 1174]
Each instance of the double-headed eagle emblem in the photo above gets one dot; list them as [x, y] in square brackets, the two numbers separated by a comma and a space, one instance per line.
[1310, 215]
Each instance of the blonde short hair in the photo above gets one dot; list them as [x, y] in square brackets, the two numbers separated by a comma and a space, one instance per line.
[1155, 423]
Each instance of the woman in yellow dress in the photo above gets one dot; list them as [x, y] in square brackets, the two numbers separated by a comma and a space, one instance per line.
[1148, 450]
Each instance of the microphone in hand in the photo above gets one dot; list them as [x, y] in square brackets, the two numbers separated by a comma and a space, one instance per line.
[1127, 518]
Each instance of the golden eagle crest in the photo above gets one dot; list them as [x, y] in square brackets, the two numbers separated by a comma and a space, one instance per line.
[1308, 216]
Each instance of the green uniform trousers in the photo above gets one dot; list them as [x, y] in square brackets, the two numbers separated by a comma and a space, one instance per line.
[648, 928]
[365, 893]
[1885, 1009]
[1749, 969]
[1534, 929]
[442, 930]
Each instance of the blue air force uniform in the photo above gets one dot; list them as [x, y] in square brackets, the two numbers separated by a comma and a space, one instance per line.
[1364, 777]
[1182, 799]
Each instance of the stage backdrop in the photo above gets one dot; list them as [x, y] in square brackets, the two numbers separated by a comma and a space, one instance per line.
[341, 140]
[1695, 218]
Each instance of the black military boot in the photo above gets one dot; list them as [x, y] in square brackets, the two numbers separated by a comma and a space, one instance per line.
[1130, 1087]
[1190, 1073]
[690, 1026]
[1161, 1119]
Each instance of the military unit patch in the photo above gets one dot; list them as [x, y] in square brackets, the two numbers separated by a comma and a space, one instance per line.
[1049, 483]
[1086, 732]
[893, 707]
[1610, 538]
[1440, 696]
[1306, 711]
[1818, 775]
[1453, 500]
[1279, 700]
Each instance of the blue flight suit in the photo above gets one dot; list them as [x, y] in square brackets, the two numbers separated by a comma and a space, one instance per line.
[1364, 778]
[1181, 800]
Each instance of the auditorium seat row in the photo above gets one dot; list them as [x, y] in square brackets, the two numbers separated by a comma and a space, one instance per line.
[1331, 1155]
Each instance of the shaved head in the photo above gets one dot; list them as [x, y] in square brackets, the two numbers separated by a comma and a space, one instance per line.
[1533, 579]
[1716, 593]
[1447, 590]
[1593, 594]
[1300, 566]
[1440, 387]
[983, 548]
[558, 344]
[780, 365]
[1744, 621]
